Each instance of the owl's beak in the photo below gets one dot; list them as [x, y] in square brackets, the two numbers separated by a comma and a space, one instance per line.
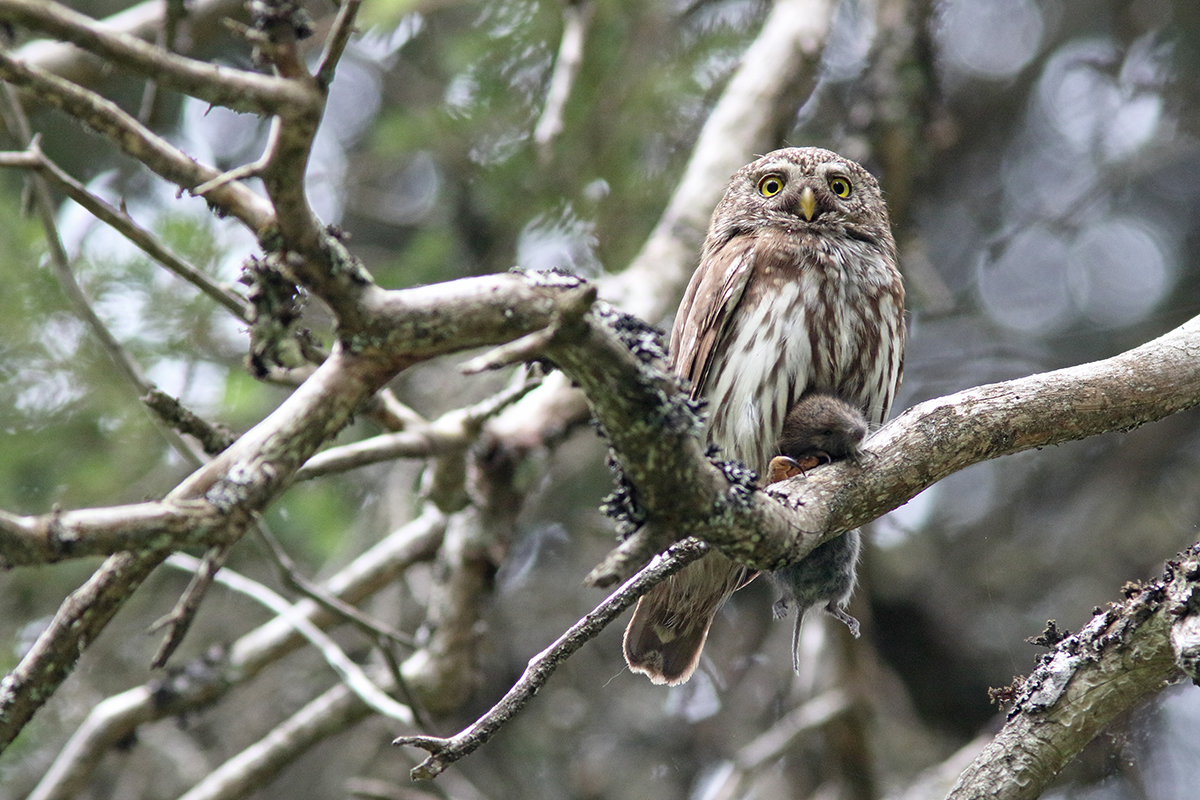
[808, 203]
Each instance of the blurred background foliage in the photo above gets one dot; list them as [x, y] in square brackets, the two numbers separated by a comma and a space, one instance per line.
[1042, 162]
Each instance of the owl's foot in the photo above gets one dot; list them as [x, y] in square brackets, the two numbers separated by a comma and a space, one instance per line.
[781, 467]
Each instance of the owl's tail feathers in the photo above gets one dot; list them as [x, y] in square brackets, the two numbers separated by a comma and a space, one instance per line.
[671, 621]
[663, 649]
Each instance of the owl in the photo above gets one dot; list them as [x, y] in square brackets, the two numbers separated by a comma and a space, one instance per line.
[797, 292]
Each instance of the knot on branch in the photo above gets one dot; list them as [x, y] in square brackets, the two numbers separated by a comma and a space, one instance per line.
[441, 754]
[341, 261]
[277, 339]
[267, 14]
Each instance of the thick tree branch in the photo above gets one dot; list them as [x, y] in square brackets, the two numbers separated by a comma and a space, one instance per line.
[680, 490]
[939, 437]
[417, 324]
[686, 495]
[1123, 655]
[250, 474]
[59, 535]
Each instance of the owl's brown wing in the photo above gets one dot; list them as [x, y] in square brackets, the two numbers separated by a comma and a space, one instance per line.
[712, 294]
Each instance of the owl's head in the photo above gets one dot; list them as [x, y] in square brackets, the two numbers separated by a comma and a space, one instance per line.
[803, 189]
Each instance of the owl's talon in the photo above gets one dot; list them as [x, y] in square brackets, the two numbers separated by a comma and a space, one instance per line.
[782, 467]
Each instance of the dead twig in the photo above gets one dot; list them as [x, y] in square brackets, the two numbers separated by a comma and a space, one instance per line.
[445, 751]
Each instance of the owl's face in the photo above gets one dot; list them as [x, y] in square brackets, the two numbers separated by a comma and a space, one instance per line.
[802, 190]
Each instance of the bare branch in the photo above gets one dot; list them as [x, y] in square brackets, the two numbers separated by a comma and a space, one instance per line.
[61, 535]
[107, 119]
[179, 619]
[576, 14]
[144, 20]
[775, 742]
[347, 670]
[329, 714]
[418, 324]
[1123, 655]
[219, 85]
[452, 432]
[535, 344]
[120, 221]
[292, 578]
[78, 621]
[212, 437]
[335, 44]
[173, 14]
[206, 680]
[444, 752]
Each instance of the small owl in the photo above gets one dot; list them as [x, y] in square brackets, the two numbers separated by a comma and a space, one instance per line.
[797, 292]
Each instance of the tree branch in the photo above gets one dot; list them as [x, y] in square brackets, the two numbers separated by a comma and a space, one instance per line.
[145, 20]
[350, 673]
[207, 679]
[135, 139]
[452, 432]
[78, 621]
[445, 751]
[682, 493]
[1123, 655]
[120, 221]
[335, 43]
[223, 86]
[576, 14]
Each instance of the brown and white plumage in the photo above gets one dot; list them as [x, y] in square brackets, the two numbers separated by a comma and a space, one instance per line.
[797, 292]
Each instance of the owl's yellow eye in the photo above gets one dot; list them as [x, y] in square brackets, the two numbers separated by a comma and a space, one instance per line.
[839, 186]
[770, 185]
